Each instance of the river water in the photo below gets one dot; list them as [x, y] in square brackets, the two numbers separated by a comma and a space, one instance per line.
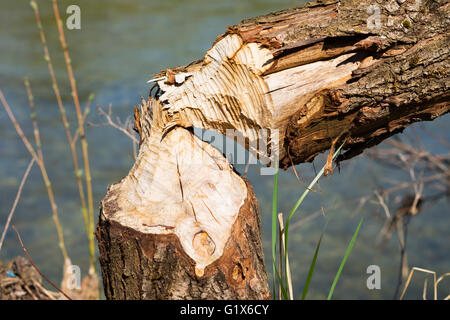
[120, 46]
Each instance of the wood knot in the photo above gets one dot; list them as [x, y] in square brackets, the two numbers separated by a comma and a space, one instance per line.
[203, 244]
[238, 273]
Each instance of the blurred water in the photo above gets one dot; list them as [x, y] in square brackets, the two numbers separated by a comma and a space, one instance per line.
[119, 47]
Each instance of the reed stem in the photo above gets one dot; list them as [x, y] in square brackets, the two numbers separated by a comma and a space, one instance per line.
[40, 161]
[84, 144]
[71, 140]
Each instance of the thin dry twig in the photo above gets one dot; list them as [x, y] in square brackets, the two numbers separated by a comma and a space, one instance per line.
[126, 127]
[297, 175]
[363, 200]
[408, 281]
[247, 165]
[280, 259]
[408, 158]
[437, 137]
[71, 139]
[16, 125]
[35, 267]
[122, 127]
[80, 118]
[16, 201]
[41, 165]
[328, 169]
[424, 293]
[285, 254]
[420, 154]
[87, 109]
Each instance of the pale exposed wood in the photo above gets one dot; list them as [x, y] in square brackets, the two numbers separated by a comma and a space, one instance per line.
[290, 70]
[183, 224]
[180, 185]
[225, 93]
[184, 190]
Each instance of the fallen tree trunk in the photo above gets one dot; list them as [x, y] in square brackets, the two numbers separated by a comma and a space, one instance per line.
[183, 224]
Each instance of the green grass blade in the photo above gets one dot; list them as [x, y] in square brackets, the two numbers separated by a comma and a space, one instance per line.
[299, 202]
[311, 185]
[313, 263]
[347, 253]
[276, 278]
[311, 269]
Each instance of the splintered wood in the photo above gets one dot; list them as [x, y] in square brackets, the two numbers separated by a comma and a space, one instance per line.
[231, 91]
[182, 224]
[181, 210]
[180, 185]
[315, 73]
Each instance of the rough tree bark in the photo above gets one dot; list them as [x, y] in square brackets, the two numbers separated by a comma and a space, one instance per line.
[183, 224]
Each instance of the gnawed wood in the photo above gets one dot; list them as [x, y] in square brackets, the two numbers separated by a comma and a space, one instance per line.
[183, 186]
[181, 204]
[183, 224]
[316, 72]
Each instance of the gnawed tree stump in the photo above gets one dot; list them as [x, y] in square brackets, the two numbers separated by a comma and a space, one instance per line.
[181, 225]
[314, 76]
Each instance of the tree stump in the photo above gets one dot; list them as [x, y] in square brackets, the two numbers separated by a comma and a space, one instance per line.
[183, 224]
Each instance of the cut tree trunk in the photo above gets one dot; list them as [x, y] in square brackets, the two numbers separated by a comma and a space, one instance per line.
[183, 224]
